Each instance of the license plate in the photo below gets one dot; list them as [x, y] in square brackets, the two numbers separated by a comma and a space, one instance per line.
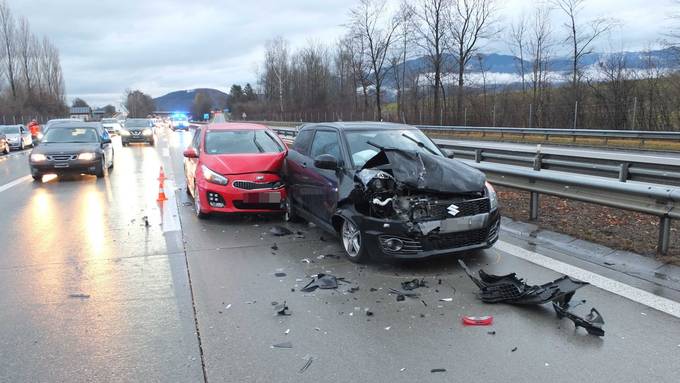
[263, 198]
[61, 165]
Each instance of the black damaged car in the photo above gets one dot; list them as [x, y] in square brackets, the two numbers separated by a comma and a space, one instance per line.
[387, 189]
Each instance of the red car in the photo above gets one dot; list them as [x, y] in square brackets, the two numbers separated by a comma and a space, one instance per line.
[234, 168]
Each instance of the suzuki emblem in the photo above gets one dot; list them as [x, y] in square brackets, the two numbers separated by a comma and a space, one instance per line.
[453, 210]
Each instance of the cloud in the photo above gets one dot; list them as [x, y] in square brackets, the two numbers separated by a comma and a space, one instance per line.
[164, 45]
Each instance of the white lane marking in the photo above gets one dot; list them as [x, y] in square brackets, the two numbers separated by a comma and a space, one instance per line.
[166, 152]
[170, 210]
[633, 293]
[14, 183]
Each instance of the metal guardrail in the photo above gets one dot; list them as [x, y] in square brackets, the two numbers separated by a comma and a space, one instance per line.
[600, 133]
[564, 173]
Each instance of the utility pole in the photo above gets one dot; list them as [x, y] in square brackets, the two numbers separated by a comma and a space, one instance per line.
[575, 113]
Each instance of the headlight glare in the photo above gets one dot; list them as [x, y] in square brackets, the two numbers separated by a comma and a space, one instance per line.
[213, 177]
[37, 157]
[493, 197]
[124, 132]
[86, 156]
[147, 132]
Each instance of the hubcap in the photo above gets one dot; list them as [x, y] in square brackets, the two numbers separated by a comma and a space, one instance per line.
[351, 238]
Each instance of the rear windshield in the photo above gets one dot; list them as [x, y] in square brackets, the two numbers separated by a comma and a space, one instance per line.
[241, 141]
[9, 129]
[58, 134]
[137, 124]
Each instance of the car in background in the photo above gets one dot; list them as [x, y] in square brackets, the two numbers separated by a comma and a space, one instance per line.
[179, 122]
[75, 148]
[111, 125]
[17, 136]
[388, 190]
[4, 145]
[141, 130]
[234, 168]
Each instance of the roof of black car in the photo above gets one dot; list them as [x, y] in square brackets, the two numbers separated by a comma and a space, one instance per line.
[358, 125]
[78, 124]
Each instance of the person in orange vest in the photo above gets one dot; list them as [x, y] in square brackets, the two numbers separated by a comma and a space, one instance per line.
[34, 128]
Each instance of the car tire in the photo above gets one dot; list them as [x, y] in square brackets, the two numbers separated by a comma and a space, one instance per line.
[37, 177]
[113, 157]
[289, 215]
[197, 205]
[101, 169]
[6, 150]
[352, 242]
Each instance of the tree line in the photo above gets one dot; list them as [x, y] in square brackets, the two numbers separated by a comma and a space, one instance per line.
[347, 78]
[32, 83]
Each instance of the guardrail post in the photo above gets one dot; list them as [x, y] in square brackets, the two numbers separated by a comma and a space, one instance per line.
[538, 161]
[664, 235]
[533, 206]
[623, 172]
[478, 155]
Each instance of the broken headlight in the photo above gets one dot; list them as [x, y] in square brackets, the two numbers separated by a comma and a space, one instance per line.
[493, 197]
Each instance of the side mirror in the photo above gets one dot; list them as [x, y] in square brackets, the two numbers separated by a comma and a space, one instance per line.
[326, 161]
[190, 153]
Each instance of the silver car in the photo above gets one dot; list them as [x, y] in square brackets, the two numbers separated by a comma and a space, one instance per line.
[18, 137]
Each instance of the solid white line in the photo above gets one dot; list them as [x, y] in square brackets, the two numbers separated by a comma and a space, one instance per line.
[14, 183]
[633, 293]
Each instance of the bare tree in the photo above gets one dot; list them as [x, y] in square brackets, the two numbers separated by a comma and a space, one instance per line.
[276, 64]
[399, 56]
[25, 53]
[539, 45]
[8, 41]
[580, 37]
[517, 42]
[368, 20]
[431, 18]
[472, 21]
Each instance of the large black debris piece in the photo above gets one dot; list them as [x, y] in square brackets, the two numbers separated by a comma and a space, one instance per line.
[321, 281]
[510, 289]
[414, 284]
[592, 322]
[280, 231]
[281, 309]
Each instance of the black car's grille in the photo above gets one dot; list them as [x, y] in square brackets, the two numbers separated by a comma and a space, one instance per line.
[256, 206]
[461, 239]
[465, 208]
[249, 185]
[61, 157]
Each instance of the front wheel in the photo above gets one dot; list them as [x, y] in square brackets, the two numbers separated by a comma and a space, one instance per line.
[352, 242]
[197, 205]
[37, 177]
[101, 169]
[6, 150]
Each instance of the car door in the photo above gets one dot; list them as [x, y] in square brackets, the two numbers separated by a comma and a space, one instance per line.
[190, 164]
[323, 194]
[296, 170]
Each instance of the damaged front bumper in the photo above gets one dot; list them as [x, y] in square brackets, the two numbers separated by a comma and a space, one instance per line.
[398, 239]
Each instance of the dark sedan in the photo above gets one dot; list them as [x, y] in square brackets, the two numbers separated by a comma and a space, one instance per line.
[388, 190]
[73, 147]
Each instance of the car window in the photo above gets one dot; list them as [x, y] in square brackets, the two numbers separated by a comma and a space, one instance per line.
[71, 135]
[325, 142]
[301, 143]
[195, 142]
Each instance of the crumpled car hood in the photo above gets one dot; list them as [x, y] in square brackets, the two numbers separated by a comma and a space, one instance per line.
[427, 172]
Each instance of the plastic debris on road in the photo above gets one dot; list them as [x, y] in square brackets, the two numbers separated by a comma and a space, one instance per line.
[306, 365]
[321, 281]
[478, 321]
[283, 345]
[281, 309]
[413, 284]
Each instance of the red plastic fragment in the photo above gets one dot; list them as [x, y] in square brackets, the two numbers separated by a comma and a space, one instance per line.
[478, 321]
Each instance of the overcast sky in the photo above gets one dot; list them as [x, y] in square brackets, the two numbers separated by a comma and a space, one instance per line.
[163, 45]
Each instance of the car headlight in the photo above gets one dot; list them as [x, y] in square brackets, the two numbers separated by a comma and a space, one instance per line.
[37, 157]
[213, 177]
[86, 156]
[40, 136]
[493, 197]
[124, 132]
[147, 132]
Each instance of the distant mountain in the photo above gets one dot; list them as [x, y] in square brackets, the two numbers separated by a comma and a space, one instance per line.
[182, 100]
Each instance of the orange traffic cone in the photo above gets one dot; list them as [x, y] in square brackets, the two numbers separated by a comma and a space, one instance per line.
[161, 176]
[161, 193]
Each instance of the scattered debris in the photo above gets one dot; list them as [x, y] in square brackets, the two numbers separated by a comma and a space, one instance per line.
[491, 332]
[304, 260]
[510, 289]
[388, 328]
[274, 247]
[228, 306]
[282, 309]
[299, 235]
[321, 281]
[146, 221]
[409, 294]
[609, 263]
[79, 295]
[307, 364]
[437, 370]
[514, 349]
[446, 300]
[280, 231]
[414, 284]
[372, 289]
[279, 275]
[403, 369]
[353, 290]
[400, 298]
[369, 313]
[283, 345]
[478, 321]
[286, 332]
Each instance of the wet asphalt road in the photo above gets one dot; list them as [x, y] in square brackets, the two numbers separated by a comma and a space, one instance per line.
[96, 296]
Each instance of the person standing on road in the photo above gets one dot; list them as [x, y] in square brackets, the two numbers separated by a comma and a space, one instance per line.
[34, 128]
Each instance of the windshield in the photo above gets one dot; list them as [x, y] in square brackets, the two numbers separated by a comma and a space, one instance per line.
[363, 145]
[70, 135]
[241, 142]
[137, 124]
[9, 129]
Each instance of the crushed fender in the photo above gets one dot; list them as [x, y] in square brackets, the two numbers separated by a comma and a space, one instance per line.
[510, 289]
